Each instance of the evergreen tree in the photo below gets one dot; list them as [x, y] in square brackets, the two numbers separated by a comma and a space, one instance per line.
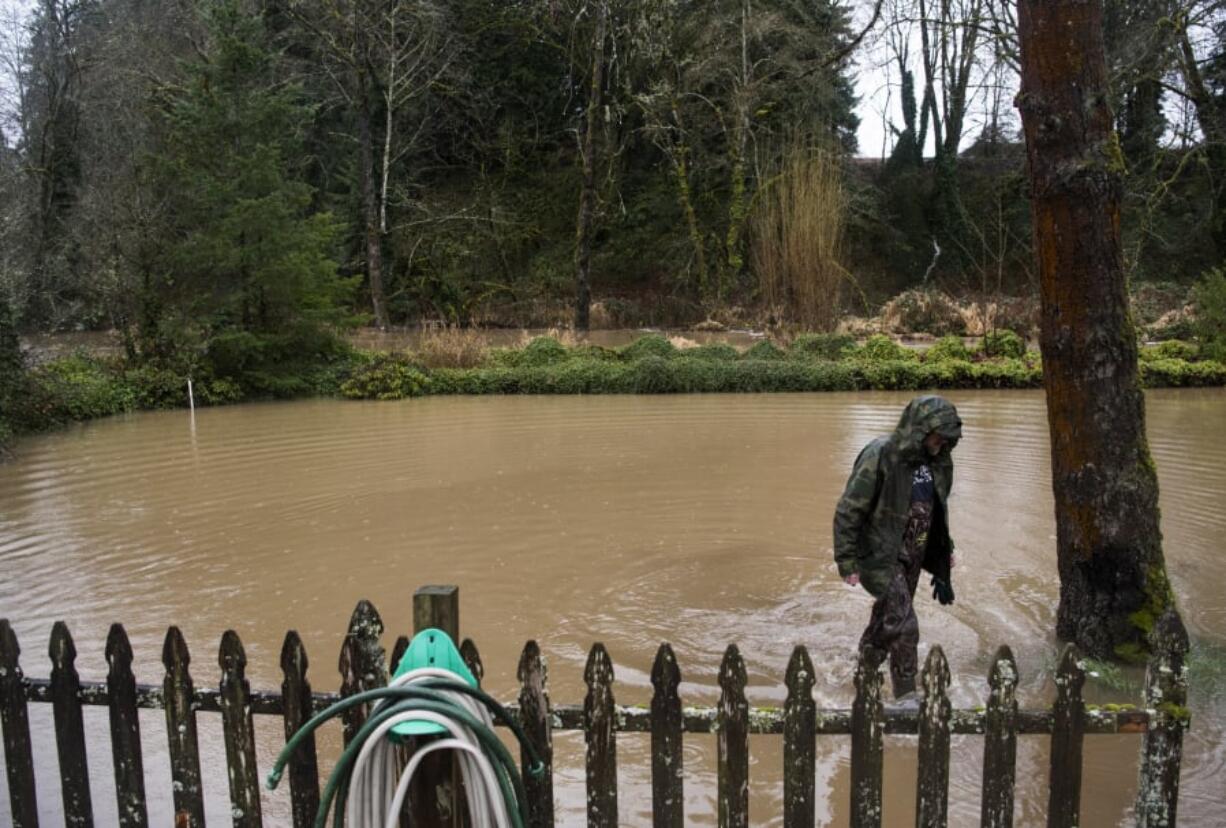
[249, 263]
[12, 370]
[51, 72]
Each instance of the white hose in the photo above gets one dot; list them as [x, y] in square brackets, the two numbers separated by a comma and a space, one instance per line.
[377, 792]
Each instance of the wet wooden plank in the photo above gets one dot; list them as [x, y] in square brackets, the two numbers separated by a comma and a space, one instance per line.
[799, 742]
[125, 731]
[435, 792]
[361, 663]
[69, 729]
[1000, 742]
[599, 721]
[178, 690]
[472, 659]
[15, 720]
[1068, 712]
[838, 721]
[239, 732]
[932, 790]
[1166, 692]
[867, 726]
[667, 756]
[732, 742]
[304, 763]
[437, 607]
[698, 720]
[535, 719]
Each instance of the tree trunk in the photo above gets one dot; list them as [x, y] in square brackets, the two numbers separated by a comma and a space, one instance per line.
[370, 204]
[738, 208]
[1113, 583]
[585, 225]
[680, 155]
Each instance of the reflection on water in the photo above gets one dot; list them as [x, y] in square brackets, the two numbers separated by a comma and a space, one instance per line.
[699, 520]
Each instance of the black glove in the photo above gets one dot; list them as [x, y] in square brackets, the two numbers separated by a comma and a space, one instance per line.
[942, 590]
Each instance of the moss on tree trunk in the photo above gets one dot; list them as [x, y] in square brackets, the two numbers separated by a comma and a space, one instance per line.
[1112, 575]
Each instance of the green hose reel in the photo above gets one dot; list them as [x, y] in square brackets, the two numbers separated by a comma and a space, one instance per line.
[431, 648]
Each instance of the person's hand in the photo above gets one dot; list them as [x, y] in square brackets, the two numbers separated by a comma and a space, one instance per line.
[853, 579]
[953, 561]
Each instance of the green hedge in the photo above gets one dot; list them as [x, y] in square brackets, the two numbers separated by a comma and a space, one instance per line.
[686, 374]
[80, 387]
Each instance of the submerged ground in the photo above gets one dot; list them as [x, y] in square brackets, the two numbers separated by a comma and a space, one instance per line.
[630, 520]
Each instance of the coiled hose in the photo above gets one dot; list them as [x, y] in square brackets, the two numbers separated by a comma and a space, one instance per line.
[364, 787]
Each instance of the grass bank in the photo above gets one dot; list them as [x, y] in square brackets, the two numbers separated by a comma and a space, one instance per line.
[82, 387]
[654, 365]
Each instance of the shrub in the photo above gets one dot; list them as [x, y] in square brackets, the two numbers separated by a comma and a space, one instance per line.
[892, 374]
[1006, 373]
[948, 373]
[823, 346]
[716, 351]
[588, 376]
[1004, 343]
[218, 392]
[764, 350]
[385, 377]
[544, 350]
[1171, 349]
[288, 363]
[923, 311]
[1174, 373]
[650, 374]
[1150, 301]
[77, 387]
[1209, 298]
[652, 345]
[158, 387]
[881, 348]
[796, 239]
[1176, 324]
[593, 352]
[451, 348]
[948, 348]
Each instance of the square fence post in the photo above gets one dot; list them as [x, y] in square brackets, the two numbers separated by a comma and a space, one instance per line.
[434, 798]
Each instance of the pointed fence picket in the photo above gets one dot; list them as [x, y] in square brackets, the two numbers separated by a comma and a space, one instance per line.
[362, 666]
[184, 747]
[667, 757]
[599, 722]
[69, 729]
[125, 731]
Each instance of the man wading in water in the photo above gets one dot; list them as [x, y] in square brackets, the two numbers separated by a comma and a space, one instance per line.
[891, 522]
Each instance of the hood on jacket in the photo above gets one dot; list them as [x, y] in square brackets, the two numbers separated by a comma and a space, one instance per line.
[921, 417]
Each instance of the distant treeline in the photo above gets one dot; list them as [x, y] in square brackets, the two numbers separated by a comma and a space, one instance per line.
[220, 180]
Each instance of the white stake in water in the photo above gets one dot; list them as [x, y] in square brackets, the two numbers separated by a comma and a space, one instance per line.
[191, 398]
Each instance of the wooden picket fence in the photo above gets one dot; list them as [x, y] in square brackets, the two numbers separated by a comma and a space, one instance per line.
[363, 666]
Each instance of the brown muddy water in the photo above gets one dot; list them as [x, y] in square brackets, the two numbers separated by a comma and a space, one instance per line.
[700, 520]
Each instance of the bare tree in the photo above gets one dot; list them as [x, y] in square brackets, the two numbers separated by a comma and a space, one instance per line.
[377, 55]
[589, 147]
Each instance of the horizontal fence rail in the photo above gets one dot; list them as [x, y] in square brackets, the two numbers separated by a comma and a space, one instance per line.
[637, 719]
[363, 666]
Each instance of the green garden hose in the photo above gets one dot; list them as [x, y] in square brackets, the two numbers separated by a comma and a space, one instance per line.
[360, 787]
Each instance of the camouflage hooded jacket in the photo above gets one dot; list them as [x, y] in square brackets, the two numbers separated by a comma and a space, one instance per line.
[872, 513]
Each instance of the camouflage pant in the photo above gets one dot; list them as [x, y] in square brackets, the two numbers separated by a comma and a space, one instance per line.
[893, 629]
